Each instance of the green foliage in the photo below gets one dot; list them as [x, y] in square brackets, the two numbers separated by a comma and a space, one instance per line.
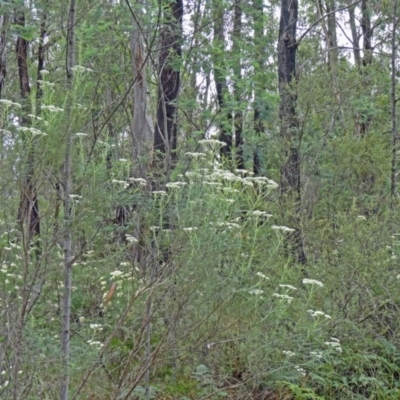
[190, 291]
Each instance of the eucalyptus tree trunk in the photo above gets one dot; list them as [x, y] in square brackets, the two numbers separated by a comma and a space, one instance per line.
[225, 134]
[237, 70]
[67, 182]
[28, 213]
[331, 33]
[258, 26]
[287, 47]
[354, 34]
[329, 28]
[366, 31]
[142, 133]
[3, 65]
[290, 171]
[141, 130]
[169, 82]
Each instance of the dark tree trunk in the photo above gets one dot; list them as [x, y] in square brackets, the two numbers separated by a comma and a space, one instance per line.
[258, 22]
[225, 134]
[290, 176]
[290, 171]
[366, 31]
[3, 69]
[238, 121]
[165, 134]
[29, 206]
[354, 35]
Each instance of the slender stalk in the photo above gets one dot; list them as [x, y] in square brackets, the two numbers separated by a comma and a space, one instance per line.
[393, 103]
[68, 259]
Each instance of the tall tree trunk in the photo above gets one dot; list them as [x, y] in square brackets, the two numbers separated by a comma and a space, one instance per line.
[142, 131]
[67, 181]
[225, 134]
[165, 134]
[364, 121]
[290, 171]
[29, 207]
[238, 121]
[329, 28]
[3, 67]
[354, 35]
[258, 26]
[393, 101]
[366, 31]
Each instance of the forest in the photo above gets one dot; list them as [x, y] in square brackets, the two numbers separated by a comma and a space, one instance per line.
[199, 199]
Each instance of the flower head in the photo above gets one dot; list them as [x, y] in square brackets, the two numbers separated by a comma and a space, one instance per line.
[282, 228]
[312, 282]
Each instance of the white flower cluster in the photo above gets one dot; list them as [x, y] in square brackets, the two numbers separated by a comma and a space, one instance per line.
[80, 68]
[193, 175]
[300, 370]
[131, 239]
[223, 175]
[315, 314]
[288, 353]
[256, 292]
[140, 181]
[282, 228]
[96, 327]
[175, 185]
[335, 344]
[212, 142]
[190, 229]
[45, 83]
[316, 354]
[307, 281]
[123, 183]
[51, 108]
[228, 225]
[195, 155]
[287, 287]
[261, 275]
[257, 213]
[33, 131]
[10, 103]
[289, 299]
[95, 343]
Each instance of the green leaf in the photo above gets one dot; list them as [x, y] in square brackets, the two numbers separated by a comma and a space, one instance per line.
[26, 32]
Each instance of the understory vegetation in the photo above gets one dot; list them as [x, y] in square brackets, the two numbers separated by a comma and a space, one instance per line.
[184, 217]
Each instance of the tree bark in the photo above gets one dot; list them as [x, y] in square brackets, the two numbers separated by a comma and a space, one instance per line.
[238, 121]
[290, 171]
[364, 121]
[165, 134]
[354, 35]
[29, 207]
[329, 28]
[258, 24]
[3, 66]
[290, 174]
[142, 131]
[225, 134]
[367, 32]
